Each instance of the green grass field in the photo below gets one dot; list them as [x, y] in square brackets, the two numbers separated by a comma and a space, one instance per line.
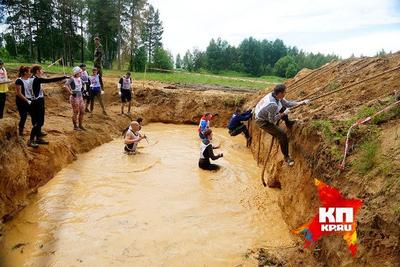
[229, 79]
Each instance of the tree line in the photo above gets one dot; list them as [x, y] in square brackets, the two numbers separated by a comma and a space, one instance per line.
[254, 57]
[38, 30]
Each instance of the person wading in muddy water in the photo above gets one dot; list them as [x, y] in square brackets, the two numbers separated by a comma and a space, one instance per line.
[236, 126]
[207, 153]
[125, 92]
[98, 56]
[37, 107]
[205, 124]
[132, 138]
[272, 108]
[74, 86]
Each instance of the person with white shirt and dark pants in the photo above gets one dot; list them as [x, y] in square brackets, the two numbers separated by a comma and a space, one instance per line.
[272, 108]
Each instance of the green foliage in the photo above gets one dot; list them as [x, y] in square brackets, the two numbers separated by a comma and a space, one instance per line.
[152, 32]
[283, 65]
[251, 56]
[139, 60]
[187, 62]
[367, 158]
[163, 59]
[178, 62]
[4, 55]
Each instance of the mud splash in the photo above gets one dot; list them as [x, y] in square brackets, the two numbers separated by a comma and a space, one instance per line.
[152, 209]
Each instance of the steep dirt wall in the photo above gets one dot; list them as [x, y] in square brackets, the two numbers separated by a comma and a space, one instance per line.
[379, 219]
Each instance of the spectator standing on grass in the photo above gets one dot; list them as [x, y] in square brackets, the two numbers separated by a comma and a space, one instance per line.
[125, 91]
[23, 98]
[38, 105]
[97, 90]
[3, 87]
[74, 86]
[98, 57]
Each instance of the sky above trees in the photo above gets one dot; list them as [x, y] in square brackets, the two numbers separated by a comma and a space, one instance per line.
[359, 27]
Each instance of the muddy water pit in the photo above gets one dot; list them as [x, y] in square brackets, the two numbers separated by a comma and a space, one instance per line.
[155, 208]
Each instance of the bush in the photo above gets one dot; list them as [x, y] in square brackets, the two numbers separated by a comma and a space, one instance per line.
[291, 71]
[282, 65]
[163, 59]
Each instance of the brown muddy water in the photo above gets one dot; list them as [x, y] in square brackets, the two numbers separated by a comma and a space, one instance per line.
[155, 208]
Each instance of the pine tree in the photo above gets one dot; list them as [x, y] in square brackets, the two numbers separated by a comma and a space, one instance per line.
[152, 32]
[178, 62]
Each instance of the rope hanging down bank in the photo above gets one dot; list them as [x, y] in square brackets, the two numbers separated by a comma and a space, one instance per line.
[322, 96]
[361, 122]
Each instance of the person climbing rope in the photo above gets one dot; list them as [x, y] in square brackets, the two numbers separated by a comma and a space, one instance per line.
[205, 124]
[125, 92]
[272, 108]
[74, 87]
[23, 98]
[207, 153]
[3, 87]
[236, 126]
[96, 88]
[38, 104]
[132, 138]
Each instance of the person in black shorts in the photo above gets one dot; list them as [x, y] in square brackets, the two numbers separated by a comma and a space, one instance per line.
[207, 153]
[125, 86]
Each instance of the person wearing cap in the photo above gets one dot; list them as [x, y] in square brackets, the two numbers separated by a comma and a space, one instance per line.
[272, 108]
[98, 56]
[74, 86]
[86, 93]
[37, 106]
[96, 89]
[125, 92]
[3, 87]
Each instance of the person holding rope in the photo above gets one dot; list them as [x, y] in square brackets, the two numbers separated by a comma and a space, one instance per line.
[75, 86]
[236, 126]
[125, 92]
[207, 153]
[273, 108]
[38, 106]
[23, 98]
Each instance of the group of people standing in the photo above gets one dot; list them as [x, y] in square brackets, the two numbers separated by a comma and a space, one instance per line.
[269, 111]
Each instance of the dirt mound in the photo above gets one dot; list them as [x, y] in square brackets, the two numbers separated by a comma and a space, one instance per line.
[317, 142]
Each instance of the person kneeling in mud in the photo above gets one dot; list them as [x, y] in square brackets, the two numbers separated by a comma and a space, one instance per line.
[133, 137]
[236, 126]
[207, 152]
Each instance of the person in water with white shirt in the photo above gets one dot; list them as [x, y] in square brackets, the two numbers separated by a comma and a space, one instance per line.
[133, 137]
[272, 108]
